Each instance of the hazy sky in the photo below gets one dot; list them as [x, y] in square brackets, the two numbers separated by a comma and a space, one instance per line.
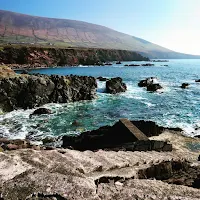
[174, 24]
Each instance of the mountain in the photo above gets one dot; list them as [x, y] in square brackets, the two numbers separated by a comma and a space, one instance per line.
[21, 28]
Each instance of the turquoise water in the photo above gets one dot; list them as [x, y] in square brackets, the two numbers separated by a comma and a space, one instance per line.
[172, 106]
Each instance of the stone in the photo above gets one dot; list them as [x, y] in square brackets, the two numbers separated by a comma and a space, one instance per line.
[147, 64]
[41, 111]
[198, 158]
[115, 85]
[197, 81]
[100, 78]
[133, 65]
[154, 87]
[118, 63]
[185, 85]
[149, 82]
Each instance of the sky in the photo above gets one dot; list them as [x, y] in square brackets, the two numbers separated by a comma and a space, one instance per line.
[173, 24]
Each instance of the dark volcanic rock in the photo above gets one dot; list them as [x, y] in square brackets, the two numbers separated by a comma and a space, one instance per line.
[133, 65]
[185, 85]
[198, 80]
[150, 83]
[147, 64]
[154, 87]
[29, 91]
[115, 85]
[41, 111]
[117, 137]
[146, 82]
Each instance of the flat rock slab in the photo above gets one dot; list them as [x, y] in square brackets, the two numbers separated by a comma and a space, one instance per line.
[133, 129]
[74, 175]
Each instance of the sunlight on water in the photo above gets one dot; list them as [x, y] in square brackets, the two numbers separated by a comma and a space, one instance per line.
[171, 106]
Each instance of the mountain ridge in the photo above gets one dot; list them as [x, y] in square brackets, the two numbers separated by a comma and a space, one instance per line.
[23, 28]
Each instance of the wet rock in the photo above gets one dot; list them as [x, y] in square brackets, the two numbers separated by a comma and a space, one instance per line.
[154, 87]
[147, 64]
[198, 80]
[147, 81]
[100, 78]
[198, 158]
[35, 90]
[118, 63]
[133, 65]
[115, 85]
[41, 111]
[185, 85]
[151, 84]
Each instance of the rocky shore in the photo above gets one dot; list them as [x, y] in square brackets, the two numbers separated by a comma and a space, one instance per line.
[36, 57]
[103, 174]
[28, 91]
[133, 160]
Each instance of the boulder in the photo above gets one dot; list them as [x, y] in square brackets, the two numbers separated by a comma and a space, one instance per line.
[118, 63]
[123, 135]
[185, 85]
[199, 158]
[150, 83]
[133, 65]
[115, 85]
[154, 87]
[147, 81]
[41, 111]
[198, 80]
[147, 64]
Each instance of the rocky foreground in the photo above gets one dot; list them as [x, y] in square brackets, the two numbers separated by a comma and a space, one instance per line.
[65, 174]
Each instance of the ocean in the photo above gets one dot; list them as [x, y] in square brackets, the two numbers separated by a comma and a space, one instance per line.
[172, 106]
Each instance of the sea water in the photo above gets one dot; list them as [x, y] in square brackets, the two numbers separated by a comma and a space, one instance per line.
[172, 106]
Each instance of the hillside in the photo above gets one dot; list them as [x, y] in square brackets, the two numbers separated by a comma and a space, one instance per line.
[20, 28]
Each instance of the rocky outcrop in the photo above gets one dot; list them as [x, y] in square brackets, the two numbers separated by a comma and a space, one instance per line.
[184, 85]
[115, 85]
[68, 174]
[100, 78]
[29, 57]
[29, 91]
[150, 83]
[41, 111]
[122, 135]
[154, 87]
